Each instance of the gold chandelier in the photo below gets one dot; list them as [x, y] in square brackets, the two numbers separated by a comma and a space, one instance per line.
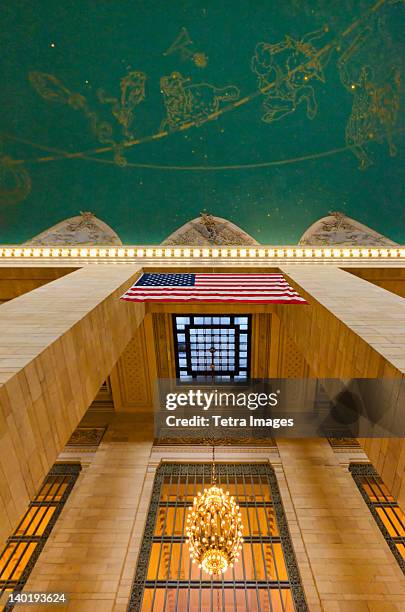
[214, 529]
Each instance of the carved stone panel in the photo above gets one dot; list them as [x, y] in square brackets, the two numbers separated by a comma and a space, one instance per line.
[207, 230]
[85, 229]
[337, 229]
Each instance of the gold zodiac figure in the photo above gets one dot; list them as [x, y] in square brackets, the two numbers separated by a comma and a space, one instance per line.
[184, 46]
[187, 102]
[288, 67]
[50, 88]
[132, 93]
[374, 110]
[15, 182]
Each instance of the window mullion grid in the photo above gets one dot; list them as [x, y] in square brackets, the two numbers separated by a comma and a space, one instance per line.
[384, 504]
[270, 534]
[161, 544]
[190, 565]
[222, 576]
[237, 350]
[251, 542]
[243, 547]
[200, 589]
[169, 563]
[261, 538]
[30, 540]
[186, 484]
[233, 568]
[188, 347]
[25, 540]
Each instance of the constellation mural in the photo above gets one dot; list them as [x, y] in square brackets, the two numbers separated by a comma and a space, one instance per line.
[375, 93]
[15, 182]
[51, 88]
[288, 71]
[288, 67]
[187, 102]
[184, 47]
[132, 93]
[374, 111]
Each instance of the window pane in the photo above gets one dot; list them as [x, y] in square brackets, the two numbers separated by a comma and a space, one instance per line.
[259, 581]
[212, 341]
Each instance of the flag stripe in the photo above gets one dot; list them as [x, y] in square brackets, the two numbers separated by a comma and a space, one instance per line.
[222, 287]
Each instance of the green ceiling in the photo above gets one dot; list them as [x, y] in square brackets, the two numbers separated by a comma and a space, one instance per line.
[323, 134]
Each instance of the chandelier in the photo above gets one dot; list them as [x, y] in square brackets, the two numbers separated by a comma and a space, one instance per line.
[214, 529]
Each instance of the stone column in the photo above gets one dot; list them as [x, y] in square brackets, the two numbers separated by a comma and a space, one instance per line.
[58, 343]
[352, 328]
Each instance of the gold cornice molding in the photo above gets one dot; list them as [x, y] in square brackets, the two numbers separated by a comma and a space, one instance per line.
[190, 256]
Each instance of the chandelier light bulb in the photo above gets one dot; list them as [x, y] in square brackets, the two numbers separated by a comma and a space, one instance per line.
[214, 530]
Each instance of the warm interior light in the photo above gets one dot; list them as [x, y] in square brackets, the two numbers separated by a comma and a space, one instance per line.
[214, 530]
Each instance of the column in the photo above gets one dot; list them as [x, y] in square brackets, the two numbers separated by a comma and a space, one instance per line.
[352, 328]
[58, 343]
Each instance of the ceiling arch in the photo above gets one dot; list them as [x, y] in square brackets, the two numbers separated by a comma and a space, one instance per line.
[206, 230]
[84, 229]
[338, 229]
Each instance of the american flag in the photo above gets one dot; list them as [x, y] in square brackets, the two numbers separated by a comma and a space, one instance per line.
[219, 288]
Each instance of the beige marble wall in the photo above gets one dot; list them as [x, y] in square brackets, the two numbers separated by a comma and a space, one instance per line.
[344, 562]
[58, 343]
[352, 565]
[391, 279]
[16, 280]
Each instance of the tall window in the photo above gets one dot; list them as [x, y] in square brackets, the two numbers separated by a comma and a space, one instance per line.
[266, 578]
[212, 346]
[388, 515]
[24, 546]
